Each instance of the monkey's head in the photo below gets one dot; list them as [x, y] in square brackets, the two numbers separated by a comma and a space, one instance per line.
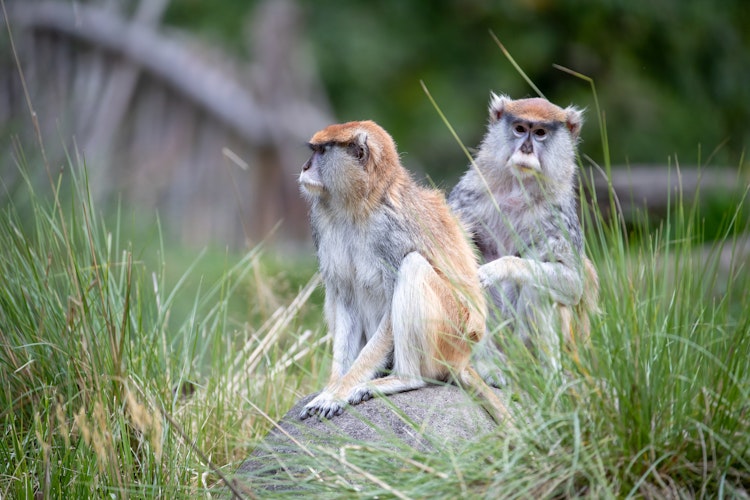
[351, 163]
[533, 138]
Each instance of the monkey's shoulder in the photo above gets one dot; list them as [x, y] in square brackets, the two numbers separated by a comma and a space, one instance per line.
[429, 215]
[466, 193]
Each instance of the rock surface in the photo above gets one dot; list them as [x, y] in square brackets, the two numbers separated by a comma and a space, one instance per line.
[426, 420]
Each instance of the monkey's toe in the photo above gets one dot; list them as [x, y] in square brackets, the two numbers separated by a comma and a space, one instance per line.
[333, 411]
[359, 395]
[325, 406]
[307, 413]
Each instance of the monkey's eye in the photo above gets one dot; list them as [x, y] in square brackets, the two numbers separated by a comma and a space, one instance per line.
[519, 130]
[540, 134]
[318, 148]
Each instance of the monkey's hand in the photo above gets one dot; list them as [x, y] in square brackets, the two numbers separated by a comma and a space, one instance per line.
[505, 268]
[325, 405]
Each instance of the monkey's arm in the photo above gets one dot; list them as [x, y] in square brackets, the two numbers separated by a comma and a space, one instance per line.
[341, 390]
[346, 340]
[563, 283]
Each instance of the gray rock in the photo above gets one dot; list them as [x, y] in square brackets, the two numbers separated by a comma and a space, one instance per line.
[422, 421]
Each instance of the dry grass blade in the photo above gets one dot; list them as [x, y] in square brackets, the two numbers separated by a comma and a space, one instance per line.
[279, 428]
[370, 477]
[246, 362]
[293, 355]
[231, 484]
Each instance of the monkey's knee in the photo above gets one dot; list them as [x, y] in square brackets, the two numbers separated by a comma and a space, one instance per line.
[414, 264]
[413, 281]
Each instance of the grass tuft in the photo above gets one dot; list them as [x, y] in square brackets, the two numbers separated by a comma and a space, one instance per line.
[91, 355]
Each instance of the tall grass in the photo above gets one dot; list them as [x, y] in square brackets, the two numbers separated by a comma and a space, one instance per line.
[102, 392]
[670, 357]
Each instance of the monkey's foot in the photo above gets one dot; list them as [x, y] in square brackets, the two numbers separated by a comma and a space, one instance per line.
[491, 375]
[359, 394]
[325, 405]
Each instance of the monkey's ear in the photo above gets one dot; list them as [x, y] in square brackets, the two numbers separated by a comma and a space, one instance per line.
[497, 106]
[358, 149]
[574, 120]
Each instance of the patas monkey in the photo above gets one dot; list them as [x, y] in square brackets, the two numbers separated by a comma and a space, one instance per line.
[520, 206]
[401, 285]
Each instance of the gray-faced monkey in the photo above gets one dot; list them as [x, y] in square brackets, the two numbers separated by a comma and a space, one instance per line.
[520, 206]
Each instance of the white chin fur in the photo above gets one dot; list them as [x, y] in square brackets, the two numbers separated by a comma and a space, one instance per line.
[524, 163]
[310, 184]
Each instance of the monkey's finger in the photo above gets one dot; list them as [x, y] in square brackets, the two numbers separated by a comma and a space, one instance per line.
[334, 411]
[329, 412]
[307, 412]
[360, 395]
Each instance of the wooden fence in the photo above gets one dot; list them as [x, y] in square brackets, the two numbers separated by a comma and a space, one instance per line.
[213, 143]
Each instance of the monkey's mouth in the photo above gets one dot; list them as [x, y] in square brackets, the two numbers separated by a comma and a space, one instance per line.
[525, 164]
[311, 185]
[526, 168]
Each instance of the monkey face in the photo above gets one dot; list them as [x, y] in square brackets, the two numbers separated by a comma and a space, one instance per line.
[310, 180]
[533, 138]
[526, 140]
[335, 170]
[351, 167]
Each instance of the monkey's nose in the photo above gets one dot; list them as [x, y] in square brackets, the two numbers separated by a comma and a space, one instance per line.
[306, 166]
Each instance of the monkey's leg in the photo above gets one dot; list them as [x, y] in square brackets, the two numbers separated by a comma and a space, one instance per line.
[488, 358]
[423, 311]
[542, 324]
[347, 342]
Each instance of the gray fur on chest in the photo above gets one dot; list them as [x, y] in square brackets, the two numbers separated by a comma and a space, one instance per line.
[510, 225]
[543, 233]
[359, 262]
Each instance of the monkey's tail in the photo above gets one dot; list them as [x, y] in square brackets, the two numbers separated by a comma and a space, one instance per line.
[470, 381]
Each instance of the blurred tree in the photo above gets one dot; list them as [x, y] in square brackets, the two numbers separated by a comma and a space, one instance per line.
[672, 75]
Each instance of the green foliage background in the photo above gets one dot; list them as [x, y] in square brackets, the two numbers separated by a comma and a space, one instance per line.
[672, 75]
